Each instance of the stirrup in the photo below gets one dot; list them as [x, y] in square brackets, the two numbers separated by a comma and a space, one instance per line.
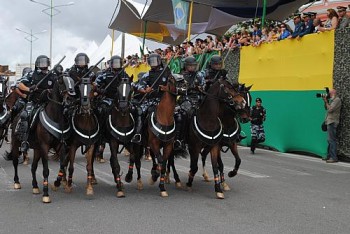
[24, 146]
[177, 144]
[136, 138]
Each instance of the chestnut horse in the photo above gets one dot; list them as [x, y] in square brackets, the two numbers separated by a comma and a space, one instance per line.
[48, 131]
[206, 129]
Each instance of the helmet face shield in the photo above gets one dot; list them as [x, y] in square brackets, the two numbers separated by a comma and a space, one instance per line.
[191, 67]
[154, 61]
[216, 66]
[116, 63]
[42, 63]
[81, 60]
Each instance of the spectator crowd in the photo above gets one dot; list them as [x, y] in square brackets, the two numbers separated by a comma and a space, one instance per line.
[305, 23]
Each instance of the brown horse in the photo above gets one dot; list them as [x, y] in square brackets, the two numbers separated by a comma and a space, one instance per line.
[4, 110]
[120, 130]
[206, 128]
[85, 129]
[48, 131]
[231, 133]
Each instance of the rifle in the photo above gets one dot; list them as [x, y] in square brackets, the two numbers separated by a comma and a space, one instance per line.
[160, 75]
[90, 70]
[47, 75]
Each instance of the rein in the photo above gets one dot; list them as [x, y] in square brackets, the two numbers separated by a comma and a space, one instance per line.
[54, 101]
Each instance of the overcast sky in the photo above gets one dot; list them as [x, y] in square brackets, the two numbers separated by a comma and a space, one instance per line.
[76, 25]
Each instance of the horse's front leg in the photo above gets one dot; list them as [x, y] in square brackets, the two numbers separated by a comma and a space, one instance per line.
[215, 154]
[63, 152]
[194, 154]
[15, 156]
[45, 160]
[36, 159]
[234, 151]
[71, 158]
[89, 166]
[114, 145]
[132, 159]
[224, 185]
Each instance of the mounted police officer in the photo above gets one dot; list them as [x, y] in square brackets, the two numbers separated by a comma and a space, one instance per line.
[189, 86]
[32, 86]
[148, 85]
[80, 67]
[215, 70]
[107, 78]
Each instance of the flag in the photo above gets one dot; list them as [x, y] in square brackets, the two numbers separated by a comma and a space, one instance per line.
[141, 51]
[180, 9]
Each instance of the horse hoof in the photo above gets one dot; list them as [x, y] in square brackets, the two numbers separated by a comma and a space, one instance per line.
[53, 188]
[139, 184]
[89, 191]
[164, 194]
[225, 186]
[46, 199]
[232, 173]
[94, 181]
[102, 160]
[36, 191]
[120, 194]
[189, 189]
[220, 195]
[178, 185]
[26, 161]
[206, 177]
[17, 186]
[151, 181]
[128, 178]
[67, 189]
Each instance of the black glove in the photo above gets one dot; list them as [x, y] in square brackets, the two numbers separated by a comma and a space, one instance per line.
[101, 91]
[32, 88]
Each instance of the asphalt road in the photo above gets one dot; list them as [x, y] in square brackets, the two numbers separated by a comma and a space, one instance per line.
[273, 193]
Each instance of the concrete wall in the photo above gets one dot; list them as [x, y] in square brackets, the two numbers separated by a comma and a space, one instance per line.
[341, 79]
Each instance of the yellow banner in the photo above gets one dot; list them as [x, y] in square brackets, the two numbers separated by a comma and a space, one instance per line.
[291, 64]
[135, 70]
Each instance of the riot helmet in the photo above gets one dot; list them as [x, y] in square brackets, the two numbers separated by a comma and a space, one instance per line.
[26, 70]
[116, 62]
[190, 64]
[216, 62]
[42, 62]
[81, 60]
[154, 60]
[59, 69]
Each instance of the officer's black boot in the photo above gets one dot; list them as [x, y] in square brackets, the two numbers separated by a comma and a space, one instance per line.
[179, 144]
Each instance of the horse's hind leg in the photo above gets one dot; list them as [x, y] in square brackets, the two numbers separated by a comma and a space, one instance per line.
[204, 155]
[171, 162]
[155, 170]
[116, 168]
[215, 154]
[234, 151]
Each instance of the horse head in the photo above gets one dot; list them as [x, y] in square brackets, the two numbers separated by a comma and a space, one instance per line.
[231, 95]
[85, 95]
[170, 86]
[244, 113]
[3, 88]
[124, 95]
[63, 91]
